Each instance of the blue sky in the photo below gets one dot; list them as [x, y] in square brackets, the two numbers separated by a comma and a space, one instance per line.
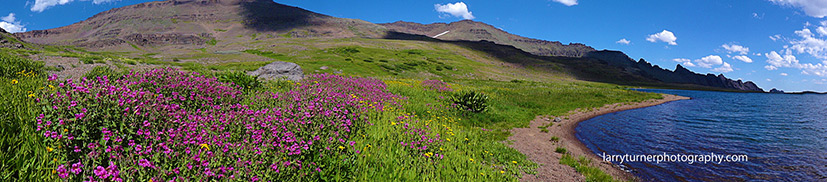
[775, 43]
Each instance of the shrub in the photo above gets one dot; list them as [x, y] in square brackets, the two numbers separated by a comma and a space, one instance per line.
[13, 66]
[471, 101]
[560, 150]
[555, 139]
[101, 71]
[240, 78]
[170, 124]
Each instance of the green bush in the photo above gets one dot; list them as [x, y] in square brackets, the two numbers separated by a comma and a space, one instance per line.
[560, 150]
[555, 139]
[13, 66]
[100, 71]
[471, 101]
[240, 78]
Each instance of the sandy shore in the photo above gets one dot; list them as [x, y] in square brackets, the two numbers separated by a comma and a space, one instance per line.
[537, 146]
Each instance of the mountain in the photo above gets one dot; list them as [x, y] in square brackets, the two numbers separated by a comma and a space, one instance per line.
[176, 28]
[475, 31]
[196, 22]
[8, 40]
[680, 75]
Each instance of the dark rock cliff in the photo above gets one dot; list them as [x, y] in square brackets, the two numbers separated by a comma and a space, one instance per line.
[679, 75]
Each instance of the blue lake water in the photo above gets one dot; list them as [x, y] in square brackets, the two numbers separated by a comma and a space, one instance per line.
[784, 136]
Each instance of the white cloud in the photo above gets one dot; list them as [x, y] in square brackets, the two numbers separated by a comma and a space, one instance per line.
[822, 31]
[769, 80]
[681, 60]
[814, 8]
[783, 74]
[103, 1]
[40, 5]
[623, 41]
[736, 48]
[458, 9]
[724, 68]
[743, 58]
[709, 61]
[684, 61]
[567, 2]
[11, 24]
[809, 44]
[664, 36]
[788, 60]
[775, 37]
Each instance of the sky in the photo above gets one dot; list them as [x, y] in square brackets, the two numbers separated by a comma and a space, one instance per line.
[774, 43]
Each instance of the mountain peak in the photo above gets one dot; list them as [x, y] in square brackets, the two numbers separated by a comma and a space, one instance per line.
[471, 30]
[194, 22]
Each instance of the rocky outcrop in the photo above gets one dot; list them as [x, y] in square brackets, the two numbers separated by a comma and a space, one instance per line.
[680, 75]
[279, 70]
[776, 91]
[8, 40]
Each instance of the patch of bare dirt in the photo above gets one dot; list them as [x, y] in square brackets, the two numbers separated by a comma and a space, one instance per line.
[538, 147]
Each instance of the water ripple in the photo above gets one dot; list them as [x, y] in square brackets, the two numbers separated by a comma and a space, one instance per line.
[785, 136]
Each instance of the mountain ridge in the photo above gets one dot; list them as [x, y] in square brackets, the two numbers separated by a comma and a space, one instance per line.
[199, 23]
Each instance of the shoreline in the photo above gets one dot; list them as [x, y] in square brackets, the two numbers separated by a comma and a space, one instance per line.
[537, 147]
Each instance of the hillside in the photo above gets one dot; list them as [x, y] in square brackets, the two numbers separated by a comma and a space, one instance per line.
[213, 33]
[197, 22]
[475, 31]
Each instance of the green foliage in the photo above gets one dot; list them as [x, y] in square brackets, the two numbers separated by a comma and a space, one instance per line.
[219, 30]
[560, 150]
[100, 71]
[272, 55]
[554, 139]
[239, 78]
[12, 66]
[22, 157]
[582, 166]
[212, 41]
[471, 101]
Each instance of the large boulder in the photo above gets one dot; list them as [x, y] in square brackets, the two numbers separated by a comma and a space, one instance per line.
[279, 70]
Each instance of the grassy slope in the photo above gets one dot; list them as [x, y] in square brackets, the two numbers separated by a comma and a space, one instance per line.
[514, 91]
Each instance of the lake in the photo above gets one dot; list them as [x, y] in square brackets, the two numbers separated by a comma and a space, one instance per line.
[783, 135]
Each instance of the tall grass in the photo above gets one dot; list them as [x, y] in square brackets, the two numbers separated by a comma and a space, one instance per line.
[393, 129]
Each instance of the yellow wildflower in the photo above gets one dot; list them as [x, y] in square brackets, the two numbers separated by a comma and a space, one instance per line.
[65, 130]
[502, 172]
[51, 87]
[393, 123]
[13, 81]
[514, 162]
[31, 95]
[448, 139]
[49, 149]
[341, 148]
[204, 145]
[471, 159]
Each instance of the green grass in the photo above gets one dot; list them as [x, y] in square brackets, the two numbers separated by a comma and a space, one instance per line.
[212, 41]
[475, 151]
[582, 165]
[554, 139]
[560, 150]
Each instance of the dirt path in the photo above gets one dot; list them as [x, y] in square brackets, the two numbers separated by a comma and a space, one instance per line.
[537, 146]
